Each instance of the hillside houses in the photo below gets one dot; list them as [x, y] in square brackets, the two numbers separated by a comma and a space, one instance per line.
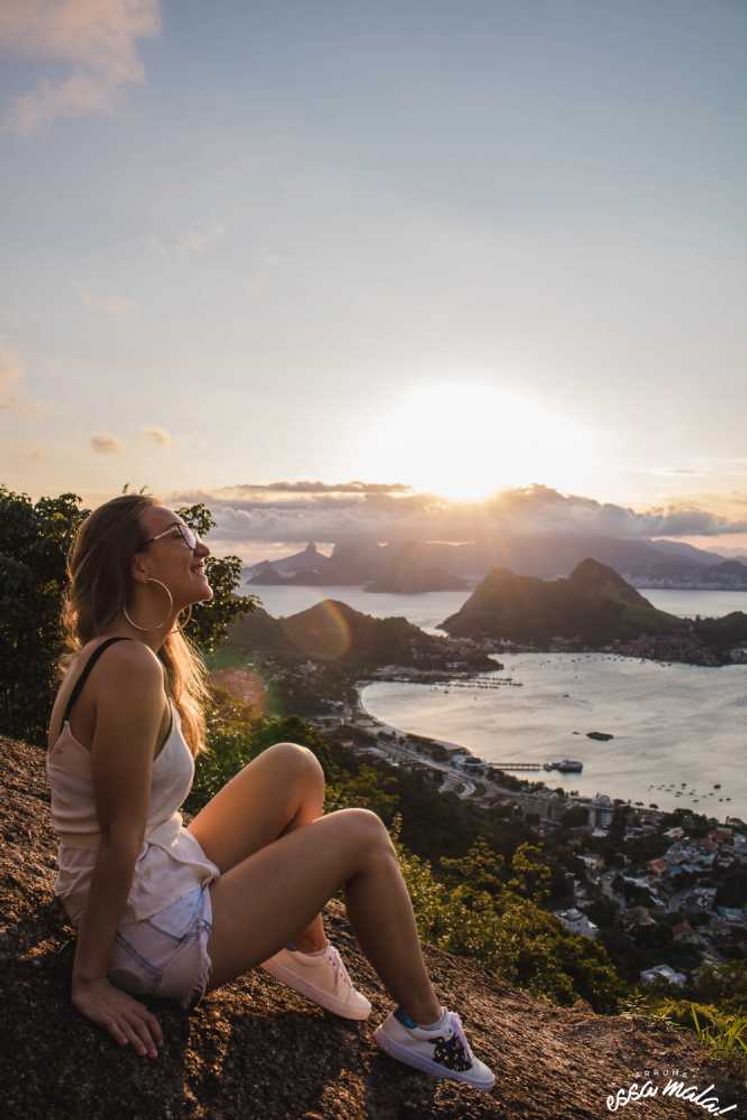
[577, 922]
[664, 972]
[694, 894]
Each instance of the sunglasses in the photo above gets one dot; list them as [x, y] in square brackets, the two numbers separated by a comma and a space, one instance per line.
[188, 535]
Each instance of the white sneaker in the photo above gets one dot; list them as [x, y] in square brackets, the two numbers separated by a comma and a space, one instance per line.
[323, 979]
[440, 1053]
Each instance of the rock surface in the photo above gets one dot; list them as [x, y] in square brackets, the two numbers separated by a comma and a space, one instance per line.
[255, 1049]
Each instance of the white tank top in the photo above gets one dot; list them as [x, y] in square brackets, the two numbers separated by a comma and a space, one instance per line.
[171, 860]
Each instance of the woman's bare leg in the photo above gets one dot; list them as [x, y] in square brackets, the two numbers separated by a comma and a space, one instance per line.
[261, 901]
[278, 791]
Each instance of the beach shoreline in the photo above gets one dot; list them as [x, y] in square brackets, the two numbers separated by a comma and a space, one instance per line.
[437, 753]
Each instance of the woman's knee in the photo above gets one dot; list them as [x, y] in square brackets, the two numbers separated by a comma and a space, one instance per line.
[364, 827]
[296, 759]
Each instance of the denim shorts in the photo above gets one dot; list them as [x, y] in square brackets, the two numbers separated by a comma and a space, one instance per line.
[166, 955]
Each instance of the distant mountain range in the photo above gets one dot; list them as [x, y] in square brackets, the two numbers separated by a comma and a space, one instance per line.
[593, 608]
[416, 566]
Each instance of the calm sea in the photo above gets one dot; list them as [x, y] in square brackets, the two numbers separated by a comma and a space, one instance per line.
[678, 729]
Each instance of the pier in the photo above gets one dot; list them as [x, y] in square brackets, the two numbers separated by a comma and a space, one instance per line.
[518, 765]
[564, 765]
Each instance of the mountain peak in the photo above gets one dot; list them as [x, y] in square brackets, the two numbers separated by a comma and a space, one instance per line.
[594, 604]
[590, 573]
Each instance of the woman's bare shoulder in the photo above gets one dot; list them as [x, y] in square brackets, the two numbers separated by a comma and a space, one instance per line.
[126, 672]
[124, 665]
[131, 656]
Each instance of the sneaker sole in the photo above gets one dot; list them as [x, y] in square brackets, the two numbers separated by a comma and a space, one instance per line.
[425, 1065]
[321, 998]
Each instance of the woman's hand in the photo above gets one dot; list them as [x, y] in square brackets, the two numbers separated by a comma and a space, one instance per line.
[126, 1019]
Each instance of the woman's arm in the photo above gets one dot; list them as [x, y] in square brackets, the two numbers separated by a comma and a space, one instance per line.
[107, 895]
[129, 707]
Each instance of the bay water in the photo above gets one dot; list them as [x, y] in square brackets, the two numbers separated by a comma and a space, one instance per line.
[680, 731]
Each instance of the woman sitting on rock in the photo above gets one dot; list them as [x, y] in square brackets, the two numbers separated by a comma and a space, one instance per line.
[167, 910]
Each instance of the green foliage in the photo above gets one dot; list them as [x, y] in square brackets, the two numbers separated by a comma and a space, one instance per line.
[618, 827]
[199, 517]
[575, 817]
[641, 849]
[716, 1014]
[724, 1033]
[604, 911]
[509, 935]
[34, 539]
[444, 824]
[367, 789]
[481, 868]
[531, 874]
[722, 982]
[210, 621]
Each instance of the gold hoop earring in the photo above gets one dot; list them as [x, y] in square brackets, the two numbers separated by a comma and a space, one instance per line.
[178, 629]
[159, 625]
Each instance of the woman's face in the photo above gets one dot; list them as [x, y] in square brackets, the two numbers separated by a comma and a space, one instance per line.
[171, 560]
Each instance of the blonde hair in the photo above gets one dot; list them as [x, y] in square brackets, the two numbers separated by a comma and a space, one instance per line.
[98, 571]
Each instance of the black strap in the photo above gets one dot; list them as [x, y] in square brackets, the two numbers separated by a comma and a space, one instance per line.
[89, 665]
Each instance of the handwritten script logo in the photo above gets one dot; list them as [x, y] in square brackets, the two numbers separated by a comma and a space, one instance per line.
[672, 1088]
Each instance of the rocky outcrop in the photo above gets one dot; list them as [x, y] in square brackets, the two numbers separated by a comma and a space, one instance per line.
[332, 631]
[257, 1049]
[310, 563]
[594, 605]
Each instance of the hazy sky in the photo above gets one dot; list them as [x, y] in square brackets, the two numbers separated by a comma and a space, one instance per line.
[463, 247]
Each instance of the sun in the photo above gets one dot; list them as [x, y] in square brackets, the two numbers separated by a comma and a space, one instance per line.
[464, 441]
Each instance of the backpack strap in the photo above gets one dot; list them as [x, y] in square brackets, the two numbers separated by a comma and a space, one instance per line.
[89, 665]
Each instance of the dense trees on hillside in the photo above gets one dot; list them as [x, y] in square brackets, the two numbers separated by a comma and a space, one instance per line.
[35, 538]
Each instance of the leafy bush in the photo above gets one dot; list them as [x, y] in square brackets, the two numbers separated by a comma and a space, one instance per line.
[723, 1032]
[723, 982]
[35, 539]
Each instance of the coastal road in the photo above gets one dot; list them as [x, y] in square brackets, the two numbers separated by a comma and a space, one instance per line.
[454, 783]
[453, 780]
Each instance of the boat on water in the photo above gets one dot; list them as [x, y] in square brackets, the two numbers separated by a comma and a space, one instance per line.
[565, 765]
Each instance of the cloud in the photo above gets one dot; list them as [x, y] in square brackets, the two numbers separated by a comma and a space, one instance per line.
[111, 305]
[540, 507]
[246, 490]
[189, 242]
[96, 41]
[707, 468]
[103, 443]
[12, 395]
[693, 521]
[11, 372]
[157, 435]
[324, 512]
